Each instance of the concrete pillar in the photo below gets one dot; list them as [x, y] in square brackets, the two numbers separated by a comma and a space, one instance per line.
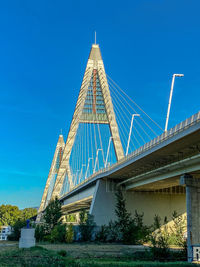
[193, 211]
[103, 203]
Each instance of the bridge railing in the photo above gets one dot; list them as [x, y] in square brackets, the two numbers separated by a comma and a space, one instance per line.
[154, 142]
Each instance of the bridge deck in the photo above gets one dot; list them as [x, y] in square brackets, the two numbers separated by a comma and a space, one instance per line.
[178, 143]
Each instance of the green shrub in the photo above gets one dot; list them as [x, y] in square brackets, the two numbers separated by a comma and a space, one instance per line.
[15, 235]
[136, 232]
[114, 234]
[69, 233]
[41, 231]
[58, 234]
[102, 234]
[178, 230]
[62, 253]
[159, 240]
[86, 226]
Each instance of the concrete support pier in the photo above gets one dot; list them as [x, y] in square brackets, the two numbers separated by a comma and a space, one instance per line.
[193, 211]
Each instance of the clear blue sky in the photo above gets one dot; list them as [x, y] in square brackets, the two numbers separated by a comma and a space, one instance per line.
[44, 46]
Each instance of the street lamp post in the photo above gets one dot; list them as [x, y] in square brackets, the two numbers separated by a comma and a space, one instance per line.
[170, 98]
[130, 131]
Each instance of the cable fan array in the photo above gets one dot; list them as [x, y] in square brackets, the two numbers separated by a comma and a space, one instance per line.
[94, 148]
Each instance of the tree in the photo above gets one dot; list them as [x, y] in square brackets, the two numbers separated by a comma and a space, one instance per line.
[123, 217]
[28, 213]
[53, 213]
[9, 214]
[132, 230]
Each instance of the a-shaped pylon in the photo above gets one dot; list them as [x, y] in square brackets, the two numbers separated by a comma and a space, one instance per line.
[94, 105]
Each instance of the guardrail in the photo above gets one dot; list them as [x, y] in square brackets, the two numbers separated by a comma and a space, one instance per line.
[154, 142]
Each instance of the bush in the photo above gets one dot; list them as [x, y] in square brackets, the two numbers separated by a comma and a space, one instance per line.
[58, 234]
[178, 230]
[62, 253]
[102, 234]
[41, 231]
[136, 232]
[69, 233]
[131, 234]
[159, 240]
[15, 235]
[86, 226]
[114, 235]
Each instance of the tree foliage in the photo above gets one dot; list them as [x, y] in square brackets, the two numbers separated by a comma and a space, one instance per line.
[53, 213]
[41, 231]
[69, 233]
[132, 230]
[179, 229]
[86, 226]
[123, 217]
[58, 233]
[28, 213]
[9, 214]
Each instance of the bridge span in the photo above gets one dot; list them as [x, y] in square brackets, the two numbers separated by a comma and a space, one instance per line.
[152, 171]
[161, 177]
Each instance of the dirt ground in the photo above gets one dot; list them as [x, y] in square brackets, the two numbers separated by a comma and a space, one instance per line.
[79, 250]
[95, 250]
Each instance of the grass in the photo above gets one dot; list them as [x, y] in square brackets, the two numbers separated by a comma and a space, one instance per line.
[127, 263]
[36, 256]
[40, 256]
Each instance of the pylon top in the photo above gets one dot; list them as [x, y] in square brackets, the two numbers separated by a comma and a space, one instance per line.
[95, 53]
[60, 139]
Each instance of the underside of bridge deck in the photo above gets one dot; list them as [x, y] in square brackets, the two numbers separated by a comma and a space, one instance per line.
[172, 152]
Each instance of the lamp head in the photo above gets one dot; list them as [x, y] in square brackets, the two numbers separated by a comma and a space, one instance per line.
[179, 75]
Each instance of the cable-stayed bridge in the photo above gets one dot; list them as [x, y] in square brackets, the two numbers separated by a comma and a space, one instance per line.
[113, 142]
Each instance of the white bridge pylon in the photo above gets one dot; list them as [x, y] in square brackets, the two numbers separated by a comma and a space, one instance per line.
[94, 106]
[88, 147]
[52, 175]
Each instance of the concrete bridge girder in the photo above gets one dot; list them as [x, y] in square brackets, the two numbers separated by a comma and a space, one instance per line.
[163, 177]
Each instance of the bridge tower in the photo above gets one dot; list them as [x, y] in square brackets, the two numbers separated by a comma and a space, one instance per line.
[52, 175]
[94, 82]
[89, 109]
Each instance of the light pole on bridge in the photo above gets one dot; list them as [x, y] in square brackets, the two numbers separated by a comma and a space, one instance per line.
[170, 98]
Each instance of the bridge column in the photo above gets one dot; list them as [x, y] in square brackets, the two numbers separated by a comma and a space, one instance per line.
[193, 211]
[103, 203]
